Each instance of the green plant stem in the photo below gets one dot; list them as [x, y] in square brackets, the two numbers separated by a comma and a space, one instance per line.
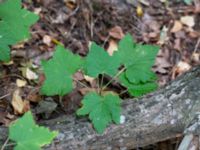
[124, 91]
[98, 87]
[114, 78]
[101, 83]
[81, 83]
[60, 101]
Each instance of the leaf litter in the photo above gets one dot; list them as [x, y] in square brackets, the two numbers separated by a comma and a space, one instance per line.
[75, 25]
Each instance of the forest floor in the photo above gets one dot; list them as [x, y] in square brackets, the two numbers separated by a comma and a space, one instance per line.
[174, 26]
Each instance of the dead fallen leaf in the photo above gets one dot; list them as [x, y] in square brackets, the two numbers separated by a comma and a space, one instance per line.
[79, 76]
[144, 2]
[8, 119]
[89, 79]
[196, 57]
[84, 91]
[194, 34]
[20, 83]
[177, 26]
[139, 11]
[163, 1]
[161, 65]
[8, 63]
[71, 4]
[188, 21]
[112, 47]
[30, 74]
[33, 96]
[153, 35]
[116, 32]
[163, 36]
[20, 106]
[47, 40]
[37, 10]
[180, 68]
[177, 44]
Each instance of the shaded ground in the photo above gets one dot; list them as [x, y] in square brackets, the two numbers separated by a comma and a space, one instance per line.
[76, 23]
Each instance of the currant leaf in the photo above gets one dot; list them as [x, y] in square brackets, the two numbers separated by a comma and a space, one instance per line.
[136, 74]
[59, 71]
[102, 110]
[138, 89]
[137, 59]
[28, 135]
[98, 62]
[14, 25]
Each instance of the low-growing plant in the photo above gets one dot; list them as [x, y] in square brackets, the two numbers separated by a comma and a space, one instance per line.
[130, 66]
[28, 135]
[14, 27]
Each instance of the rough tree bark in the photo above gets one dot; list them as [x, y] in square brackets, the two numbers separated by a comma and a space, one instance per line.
[155, 117]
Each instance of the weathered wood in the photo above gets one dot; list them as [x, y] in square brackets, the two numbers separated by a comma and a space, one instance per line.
[158, 116]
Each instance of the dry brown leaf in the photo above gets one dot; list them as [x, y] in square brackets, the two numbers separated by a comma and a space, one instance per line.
[183, 66]
[163, 36]
[71, 4]
[177, 26]
[18, 46]
[177, 44]
[33, 96]
[89, 79]
[116, 32]
[188, 21]
[194, 34]
[112, 47]
[153, 35]
[21, 83]
[84, 91]
[196, 57]
[161, 65]
[30, 74]
[180, 68]
[20, 106]
[8, 63]
[47, 40]
[37, 11]
[79, 76]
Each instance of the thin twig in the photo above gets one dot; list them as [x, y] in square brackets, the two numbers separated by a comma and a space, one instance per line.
[81, 83]
[121, 71]
[196, 46]
[13, 75]
[98, 86]
[2, 97]
[122, 92]
[101, 83]
[5, 143]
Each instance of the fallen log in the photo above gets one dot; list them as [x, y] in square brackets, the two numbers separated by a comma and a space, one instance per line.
[155, 117]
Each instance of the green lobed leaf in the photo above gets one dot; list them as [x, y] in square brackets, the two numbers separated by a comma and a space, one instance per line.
[126, 49]
[138, 59]
[28, 135]
[14, 25]
[98, 62]
[140, 88]
[59, 71]
[102, 110]
[136, 74]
